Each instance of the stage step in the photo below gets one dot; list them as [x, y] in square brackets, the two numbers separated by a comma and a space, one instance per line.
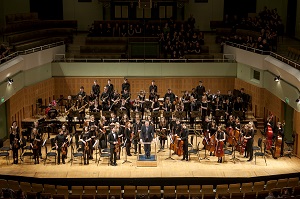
[143, 162]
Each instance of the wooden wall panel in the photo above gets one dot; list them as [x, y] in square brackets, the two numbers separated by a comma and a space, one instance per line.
[70, 85]
[296, 128]
[263, 100]
[23, 103]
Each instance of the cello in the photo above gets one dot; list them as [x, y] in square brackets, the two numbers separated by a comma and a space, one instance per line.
[219, 149]
[269, 137]
[219, 152]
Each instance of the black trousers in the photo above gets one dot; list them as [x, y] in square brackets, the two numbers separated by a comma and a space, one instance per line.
[127, 145]
[249, 149]
[147, 148]
[59, 153]
[15, 155]
[36, 155]
[113, 155]
[86, 156]
[185, 150]
[137, 148]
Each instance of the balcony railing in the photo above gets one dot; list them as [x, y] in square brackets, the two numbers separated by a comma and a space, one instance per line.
[31, 50]
[261, 52]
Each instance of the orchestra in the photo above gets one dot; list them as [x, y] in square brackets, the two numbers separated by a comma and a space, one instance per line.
[115, 121]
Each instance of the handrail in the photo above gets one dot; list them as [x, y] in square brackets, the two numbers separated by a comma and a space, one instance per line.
[31, 50]
[143, 60]
[258, 51]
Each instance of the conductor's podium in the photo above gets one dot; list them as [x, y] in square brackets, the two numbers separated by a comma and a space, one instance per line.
[143, 162]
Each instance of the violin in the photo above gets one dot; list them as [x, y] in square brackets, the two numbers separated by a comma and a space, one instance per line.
[64, 148]
[117, 146]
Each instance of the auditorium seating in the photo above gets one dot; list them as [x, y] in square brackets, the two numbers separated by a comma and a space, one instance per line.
[24, 31]
[36, 190]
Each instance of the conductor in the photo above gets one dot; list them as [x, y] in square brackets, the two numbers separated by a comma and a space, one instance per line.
[147, 132]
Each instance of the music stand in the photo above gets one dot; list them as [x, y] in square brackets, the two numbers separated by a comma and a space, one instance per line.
[238, 114]
[155, 114]
[220, 113]
[106, 114]
[180, 114]
[170, 152]
[96, 115]
[167, 114]
[134, 113]
[120, 113]
[195, 114]
[147, 104]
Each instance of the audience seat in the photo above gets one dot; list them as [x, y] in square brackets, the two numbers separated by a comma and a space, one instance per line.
[258, 186]
[247, 187]
[293, 182]
[207, 189]
[25, 186]
[49, 188]
[14, 185]
[182, 190]
[155, 191]
[129, 192]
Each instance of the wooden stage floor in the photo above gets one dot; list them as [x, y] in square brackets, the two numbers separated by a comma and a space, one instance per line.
[165, 168]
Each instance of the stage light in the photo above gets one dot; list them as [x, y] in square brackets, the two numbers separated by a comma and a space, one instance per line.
[277, 78]
[10, 81]
[298, 100]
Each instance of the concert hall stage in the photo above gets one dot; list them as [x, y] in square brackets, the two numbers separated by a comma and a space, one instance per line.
[166, 169]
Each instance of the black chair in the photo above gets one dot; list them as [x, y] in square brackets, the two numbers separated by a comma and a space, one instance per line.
[27, 153]
[3, 148]
[104, 153]
[52, 152]
[76, 154]
[261, 153]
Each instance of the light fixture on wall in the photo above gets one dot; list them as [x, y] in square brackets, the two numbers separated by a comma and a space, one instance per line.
[277, 78]
[10, 81]
[298, 100]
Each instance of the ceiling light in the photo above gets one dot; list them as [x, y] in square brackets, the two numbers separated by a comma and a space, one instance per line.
[10, 81]
[277, 78]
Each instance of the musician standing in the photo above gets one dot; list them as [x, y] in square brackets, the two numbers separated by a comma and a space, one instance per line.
[147, 134]
[35, 145]
[96, 88]
[250, 138]
[200, 90]
[220, 138]
[61, 145]
[153, 87]
[184, 137]
[69, 106]
[110, 87]
[137, 126]
[85, 138]
[81, 92]
[113, 141]
[125, 85]
[279, 131]
[127, 137]
[80, 105]
[163, 127]
[14, 138]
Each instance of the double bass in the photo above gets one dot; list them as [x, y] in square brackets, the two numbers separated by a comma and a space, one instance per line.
[269, 137]
[278, 141]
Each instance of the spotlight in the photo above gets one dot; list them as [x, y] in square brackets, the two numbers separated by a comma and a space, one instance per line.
[277, 78]
[298, 100]
[10, 81]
